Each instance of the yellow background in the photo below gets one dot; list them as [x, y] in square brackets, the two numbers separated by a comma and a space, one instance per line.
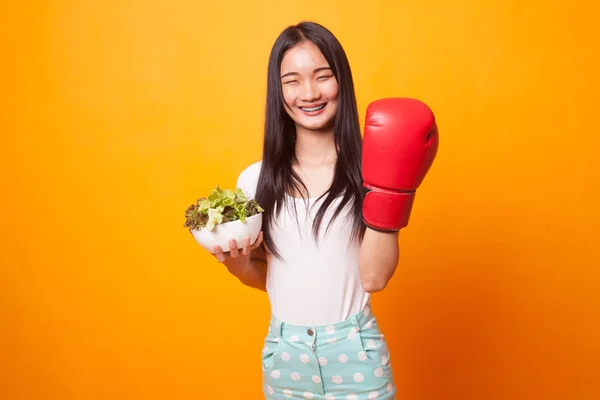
[117, 115]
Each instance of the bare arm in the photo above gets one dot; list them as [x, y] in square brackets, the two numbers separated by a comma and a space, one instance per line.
[249, 265]
[379, 254]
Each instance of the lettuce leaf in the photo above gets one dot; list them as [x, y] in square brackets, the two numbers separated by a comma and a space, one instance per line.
[220, 207]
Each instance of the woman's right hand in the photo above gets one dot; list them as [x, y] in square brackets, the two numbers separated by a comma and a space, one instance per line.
[235, 261]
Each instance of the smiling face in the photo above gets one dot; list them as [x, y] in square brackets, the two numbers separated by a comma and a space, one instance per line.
[310, 90]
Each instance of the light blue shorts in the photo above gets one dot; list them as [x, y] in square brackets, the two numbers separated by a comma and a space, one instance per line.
[349, 360]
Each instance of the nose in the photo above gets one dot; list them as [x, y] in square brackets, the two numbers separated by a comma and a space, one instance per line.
[310, 92]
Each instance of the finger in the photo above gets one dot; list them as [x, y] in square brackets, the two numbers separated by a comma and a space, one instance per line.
[233, 248]
[258, 241]
[218, 253]
[246, 249]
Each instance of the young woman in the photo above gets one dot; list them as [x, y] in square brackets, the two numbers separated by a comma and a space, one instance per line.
[316, 257]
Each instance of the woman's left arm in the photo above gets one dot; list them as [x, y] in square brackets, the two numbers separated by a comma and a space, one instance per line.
[379, 254]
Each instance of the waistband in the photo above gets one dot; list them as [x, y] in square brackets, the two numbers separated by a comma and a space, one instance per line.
[324, 333]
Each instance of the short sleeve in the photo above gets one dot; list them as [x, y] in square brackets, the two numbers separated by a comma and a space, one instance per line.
[248, 179]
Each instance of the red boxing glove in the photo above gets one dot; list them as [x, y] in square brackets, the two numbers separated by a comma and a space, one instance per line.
[399, 145]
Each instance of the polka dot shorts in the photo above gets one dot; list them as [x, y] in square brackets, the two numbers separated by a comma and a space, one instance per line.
[349, 360]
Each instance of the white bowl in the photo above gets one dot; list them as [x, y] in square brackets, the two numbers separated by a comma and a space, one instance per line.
[223, 233]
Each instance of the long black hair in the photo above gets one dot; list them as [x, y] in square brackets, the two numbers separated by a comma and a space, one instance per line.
[277, 177]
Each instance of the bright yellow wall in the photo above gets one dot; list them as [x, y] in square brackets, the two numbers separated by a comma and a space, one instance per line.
[116, 115]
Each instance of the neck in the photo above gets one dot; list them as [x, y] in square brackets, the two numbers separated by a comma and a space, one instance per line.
[315, 147]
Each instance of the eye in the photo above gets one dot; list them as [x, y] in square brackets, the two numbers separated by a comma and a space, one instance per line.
[324, 77]
[294, 81]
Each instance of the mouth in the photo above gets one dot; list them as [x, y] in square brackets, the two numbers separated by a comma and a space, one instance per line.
[315, 109]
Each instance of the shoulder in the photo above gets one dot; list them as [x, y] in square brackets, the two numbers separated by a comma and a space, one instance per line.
[248, 179]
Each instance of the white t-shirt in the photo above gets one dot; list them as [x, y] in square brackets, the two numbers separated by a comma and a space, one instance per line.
[311, 285]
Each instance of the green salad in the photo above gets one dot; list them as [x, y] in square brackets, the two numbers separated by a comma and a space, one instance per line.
[221, 206]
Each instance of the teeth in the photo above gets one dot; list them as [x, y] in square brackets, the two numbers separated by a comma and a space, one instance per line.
[309, 109]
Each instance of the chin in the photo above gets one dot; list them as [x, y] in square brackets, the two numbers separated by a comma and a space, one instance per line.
[316, 125]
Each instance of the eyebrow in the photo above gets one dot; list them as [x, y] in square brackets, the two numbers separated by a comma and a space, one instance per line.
[295, 73]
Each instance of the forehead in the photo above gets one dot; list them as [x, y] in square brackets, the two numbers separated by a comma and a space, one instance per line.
[305, 56]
